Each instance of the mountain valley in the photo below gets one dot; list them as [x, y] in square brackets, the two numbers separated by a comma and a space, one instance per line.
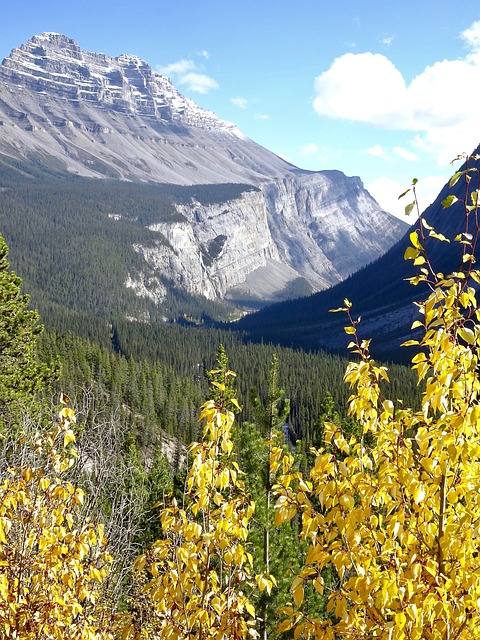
[263, 231]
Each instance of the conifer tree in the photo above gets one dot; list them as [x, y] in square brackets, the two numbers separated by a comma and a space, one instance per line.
[271, 418]
[22, 376]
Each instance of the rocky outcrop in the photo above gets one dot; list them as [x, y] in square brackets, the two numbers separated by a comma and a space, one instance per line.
[98, 116]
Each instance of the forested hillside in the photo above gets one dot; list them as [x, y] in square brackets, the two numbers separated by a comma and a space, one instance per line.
[373, 531]
[381, 291]
[73, 240]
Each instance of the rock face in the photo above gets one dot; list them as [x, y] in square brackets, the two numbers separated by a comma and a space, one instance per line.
[98, 116]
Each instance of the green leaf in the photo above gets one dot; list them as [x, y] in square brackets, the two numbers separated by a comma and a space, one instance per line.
[409, 208]
[449, 200]
[456, 177]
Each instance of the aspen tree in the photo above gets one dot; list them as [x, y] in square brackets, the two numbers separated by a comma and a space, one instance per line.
[395, 512]
[194, 581]
[53, 560]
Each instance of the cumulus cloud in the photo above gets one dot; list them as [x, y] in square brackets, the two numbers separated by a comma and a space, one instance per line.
[309, 149]
[437, 106]
[378, 151]
[361, 86]
[239, 102]
[405, 154]
[187, 73]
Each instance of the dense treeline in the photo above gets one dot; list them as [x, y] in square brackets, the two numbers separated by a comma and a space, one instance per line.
[73, 239]
[158, 372]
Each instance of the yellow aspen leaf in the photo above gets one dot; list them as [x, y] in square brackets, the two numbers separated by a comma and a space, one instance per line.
[297, 590]
[286, 625]
[414, 239]
[400, 620]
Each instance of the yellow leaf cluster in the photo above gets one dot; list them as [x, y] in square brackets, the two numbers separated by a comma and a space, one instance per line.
[195, 577]
[53, 562]
[393, 518]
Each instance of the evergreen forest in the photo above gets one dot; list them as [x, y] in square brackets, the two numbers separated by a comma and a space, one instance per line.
[175, 480]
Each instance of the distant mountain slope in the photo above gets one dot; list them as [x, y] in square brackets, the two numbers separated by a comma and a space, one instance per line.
[69, 111]
[379, 292]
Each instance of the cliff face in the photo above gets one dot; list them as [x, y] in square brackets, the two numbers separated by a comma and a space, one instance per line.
[98, 116]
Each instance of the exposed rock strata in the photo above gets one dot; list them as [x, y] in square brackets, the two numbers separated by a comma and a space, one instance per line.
[99, 116]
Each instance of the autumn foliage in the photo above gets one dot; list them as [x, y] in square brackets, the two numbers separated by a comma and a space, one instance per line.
[197, 577]
[53, 560]
[395, 514]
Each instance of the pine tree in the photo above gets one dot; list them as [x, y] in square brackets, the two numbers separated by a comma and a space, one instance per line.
[22, 376]
[274, 550]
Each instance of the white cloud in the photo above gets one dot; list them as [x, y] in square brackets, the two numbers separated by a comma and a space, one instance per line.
[239, 102]
[198, 82]
[365, 87]
[387, 40]
[378, 151]
[261, 116]
[471, 36]
[405, 154]
[204, 54]
[438, 105]
[386, 192]
[186, 72]
[177, 68]
[309, 149]
[428, 189]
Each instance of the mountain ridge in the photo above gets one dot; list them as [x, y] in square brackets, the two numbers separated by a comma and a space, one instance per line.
[96, 116]
[379, 292]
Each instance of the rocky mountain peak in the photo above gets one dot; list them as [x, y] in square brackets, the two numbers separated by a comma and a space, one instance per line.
[54, 63]
[99, 116]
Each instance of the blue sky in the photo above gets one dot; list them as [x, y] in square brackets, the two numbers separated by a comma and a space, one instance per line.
[388, 91]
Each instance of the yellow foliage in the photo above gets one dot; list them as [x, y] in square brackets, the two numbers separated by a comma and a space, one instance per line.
[395, 514]
[53, 561]
[192, 581]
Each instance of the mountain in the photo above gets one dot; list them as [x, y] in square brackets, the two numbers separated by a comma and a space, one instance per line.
[380, 293]
[278, 231]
